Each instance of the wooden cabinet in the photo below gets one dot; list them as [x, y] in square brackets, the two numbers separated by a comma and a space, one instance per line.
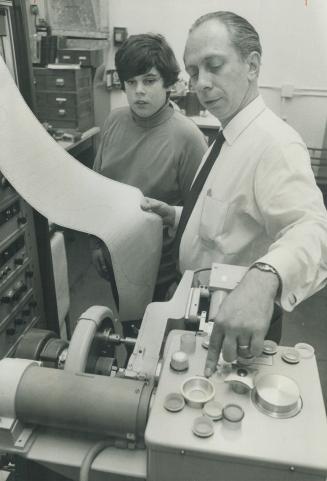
[64, 97]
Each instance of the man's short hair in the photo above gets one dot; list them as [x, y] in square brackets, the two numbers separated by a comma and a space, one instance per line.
[244, 36]
[140, 53]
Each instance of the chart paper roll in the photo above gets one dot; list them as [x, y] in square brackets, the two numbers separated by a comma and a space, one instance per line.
[73, 196]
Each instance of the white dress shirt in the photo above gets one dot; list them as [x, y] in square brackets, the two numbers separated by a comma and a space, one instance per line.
[260, 202]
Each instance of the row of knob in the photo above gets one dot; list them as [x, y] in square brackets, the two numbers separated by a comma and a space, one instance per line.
[7, 270]
[14, 294]
[19, 320]
[10, 212]
[19, 261]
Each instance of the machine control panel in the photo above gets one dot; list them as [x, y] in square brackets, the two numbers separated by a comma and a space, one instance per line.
[20, 290]
[254, 419]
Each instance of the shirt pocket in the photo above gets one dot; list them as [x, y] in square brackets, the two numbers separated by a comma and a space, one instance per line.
[213, 217]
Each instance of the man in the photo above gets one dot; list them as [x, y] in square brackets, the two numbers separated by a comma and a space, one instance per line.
[259, 205]
[148, 144]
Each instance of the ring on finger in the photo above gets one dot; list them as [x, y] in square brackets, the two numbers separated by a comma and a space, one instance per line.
[244, 351]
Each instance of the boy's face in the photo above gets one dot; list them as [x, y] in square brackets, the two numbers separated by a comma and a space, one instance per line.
[146, 93]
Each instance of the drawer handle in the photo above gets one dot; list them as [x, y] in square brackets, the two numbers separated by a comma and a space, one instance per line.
[61, 100]
[82, 57]
[66, 57]
[60, 82]
[62, 112]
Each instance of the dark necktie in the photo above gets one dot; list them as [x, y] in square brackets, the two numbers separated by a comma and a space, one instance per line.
[195, 190]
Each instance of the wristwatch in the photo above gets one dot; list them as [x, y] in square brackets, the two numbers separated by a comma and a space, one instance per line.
[262, 266]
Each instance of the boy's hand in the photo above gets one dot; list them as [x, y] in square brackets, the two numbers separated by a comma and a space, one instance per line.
[165, 211]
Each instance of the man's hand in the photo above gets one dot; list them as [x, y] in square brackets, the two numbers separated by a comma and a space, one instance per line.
[243, 319]
[165, 211]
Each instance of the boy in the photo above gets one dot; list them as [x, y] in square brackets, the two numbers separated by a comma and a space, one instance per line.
[149, 144]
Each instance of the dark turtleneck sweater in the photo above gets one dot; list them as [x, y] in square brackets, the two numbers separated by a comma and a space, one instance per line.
[159, 154]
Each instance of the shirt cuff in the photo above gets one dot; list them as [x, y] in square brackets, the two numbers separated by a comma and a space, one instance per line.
[288, 297]
[272, 270]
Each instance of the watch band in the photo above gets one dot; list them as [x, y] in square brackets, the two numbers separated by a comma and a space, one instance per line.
[262, 266]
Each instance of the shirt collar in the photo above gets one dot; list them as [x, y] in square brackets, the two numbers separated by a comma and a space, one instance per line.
[243, 119]
[161, 116]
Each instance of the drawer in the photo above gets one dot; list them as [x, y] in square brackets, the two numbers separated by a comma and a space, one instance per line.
[57, 113]
[62, 79]
[53, 100]
[84, 57]
[66, 111]
[80, 117]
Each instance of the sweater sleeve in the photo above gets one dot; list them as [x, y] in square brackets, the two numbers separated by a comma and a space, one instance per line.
[97, 165]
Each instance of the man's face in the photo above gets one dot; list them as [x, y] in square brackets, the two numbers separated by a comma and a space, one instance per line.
[219, 76]
[146, 93]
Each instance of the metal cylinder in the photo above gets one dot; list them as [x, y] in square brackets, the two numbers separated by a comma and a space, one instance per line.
[113, 406]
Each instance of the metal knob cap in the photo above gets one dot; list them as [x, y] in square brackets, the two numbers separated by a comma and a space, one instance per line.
[277, 395]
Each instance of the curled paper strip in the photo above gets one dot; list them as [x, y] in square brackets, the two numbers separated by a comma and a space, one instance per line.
[73, 196]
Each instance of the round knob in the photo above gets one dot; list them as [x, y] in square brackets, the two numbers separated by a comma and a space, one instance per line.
[203, 427]
[179, 361]
[270, 347]
[188, 342]
[19, 289]
[18, 261]
[277, 396]
[21, 220]
[232, 415]
[8, 297]
[4, 182]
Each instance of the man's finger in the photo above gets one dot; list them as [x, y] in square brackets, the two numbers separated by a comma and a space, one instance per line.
[244, 346]
[229, 349]
[257, 343]
[216, 341]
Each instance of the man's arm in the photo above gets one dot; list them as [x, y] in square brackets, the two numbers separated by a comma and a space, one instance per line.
[294, 216]
[243, 318]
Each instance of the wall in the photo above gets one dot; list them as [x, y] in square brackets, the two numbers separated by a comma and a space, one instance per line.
[294, 40]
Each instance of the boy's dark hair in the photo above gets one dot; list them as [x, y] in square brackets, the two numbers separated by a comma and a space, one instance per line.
[140, 53]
